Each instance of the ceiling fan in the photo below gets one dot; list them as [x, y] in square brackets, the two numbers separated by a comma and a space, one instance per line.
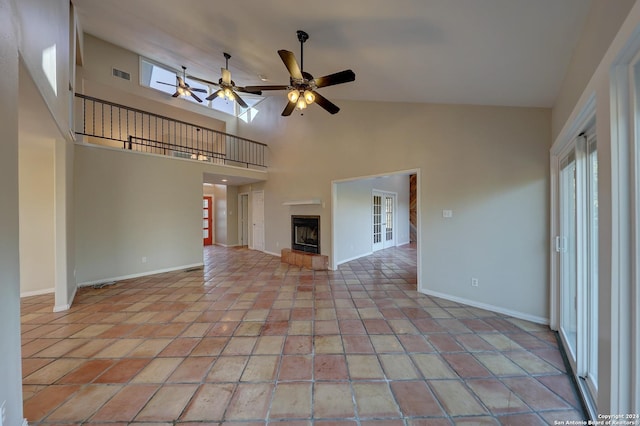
[302, 86]
[182, 88]
[228, 88]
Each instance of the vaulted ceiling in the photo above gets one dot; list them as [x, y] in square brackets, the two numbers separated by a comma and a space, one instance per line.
[489, 52]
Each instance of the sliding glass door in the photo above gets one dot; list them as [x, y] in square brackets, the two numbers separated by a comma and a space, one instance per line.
[577, 247]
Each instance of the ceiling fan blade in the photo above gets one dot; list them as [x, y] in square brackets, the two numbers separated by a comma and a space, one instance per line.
[252, 89]
[168, 84]
[290, 62]
[244, 89]
[175, 95]
[202, 80]
[193, 95]
[239, 100]
[288, 109]
[326, 104]
[226, 75]
[336, 78]
[214, 95]
[197, 89]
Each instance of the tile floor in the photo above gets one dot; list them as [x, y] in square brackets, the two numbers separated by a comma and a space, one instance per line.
[251, 341]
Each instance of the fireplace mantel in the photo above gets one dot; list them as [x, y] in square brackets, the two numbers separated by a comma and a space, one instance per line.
[302, 202]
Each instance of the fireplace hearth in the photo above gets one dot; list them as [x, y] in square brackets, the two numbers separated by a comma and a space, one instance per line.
[305, 234]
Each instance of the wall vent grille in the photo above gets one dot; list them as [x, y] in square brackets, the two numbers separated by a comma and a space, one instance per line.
[121, 74]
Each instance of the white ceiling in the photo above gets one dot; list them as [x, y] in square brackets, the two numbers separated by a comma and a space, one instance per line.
[489, 52]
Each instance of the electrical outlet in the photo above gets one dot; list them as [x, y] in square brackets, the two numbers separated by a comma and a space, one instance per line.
[3, 413]
[474, 282]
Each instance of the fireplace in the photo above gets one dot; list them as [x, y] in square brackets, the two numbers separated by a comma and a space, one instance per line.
[305, 233]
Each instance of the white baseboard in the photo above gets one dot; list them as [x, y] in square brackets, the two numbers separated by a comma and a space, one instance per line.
[487, 307]
[37, 292]
[61, 308]
[138, 275]
[340, 262]
[272, 254]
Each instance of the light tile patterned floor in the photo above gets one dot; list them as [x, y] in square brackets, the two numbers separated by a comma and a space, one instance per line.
[251, 341]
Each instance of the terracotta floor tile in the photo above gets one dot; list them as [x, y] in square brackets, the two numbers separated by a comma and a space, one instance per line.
[455, 398]
[415, 343]
[444, 343]
[210, 346]
[122, 371]
[374, 399]
[356, 344]
[84, 403]
[522, 419]
[330, 367]
[181, 346]
[260, 368]
[227, 369]
[535, 394]
[239, 346]
[466, 365]
[432, 366]
[209, 403]
[126, 404]
[249, 402]
[331, 344]
[364, 367]
[191, 370]
[291, 400]
[531, 363]
[51, 372]
[119, 348]
[248, 341]
[332, 400]
[45, 401]
[416, 399]
[269, 345]
[499, 364]
[86, 372]
[497, 397]
[167, 403]
[296, 367]
[399, 367]
[157, 371]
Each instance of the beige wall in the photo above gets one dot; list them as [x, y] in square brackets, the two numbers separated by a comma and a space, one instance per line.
[37, 260]
[487, 164]
[133, 206]
[602, 25]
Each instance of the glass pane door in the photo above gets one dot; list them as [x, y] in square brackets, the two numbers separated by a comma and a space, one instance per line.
[566, 245]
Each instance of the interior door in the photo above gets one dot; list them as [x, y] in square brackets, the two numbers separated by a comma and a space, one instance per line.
[243, 218]
[207, 221]
[257, 219]
[383, 207]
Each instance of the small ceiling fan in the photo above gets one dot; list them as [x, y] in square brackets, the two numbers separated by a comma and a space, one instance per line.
[228, 88]
[302, 86]
[183, 88]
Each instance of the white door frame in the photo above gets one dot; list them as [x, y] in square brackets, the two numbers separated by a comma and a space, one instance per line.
[384, 243]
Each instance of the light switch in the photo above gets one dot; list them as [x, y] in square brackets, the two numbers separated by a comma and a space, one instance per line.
[447, 213]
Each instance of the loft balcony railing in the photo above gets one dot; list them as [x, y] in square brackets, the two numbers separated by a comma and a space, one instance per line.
[111, 124]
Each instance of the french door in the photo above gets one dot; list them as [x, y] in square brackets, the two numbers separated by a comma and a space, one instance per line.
[577, 248]
[383, 207]
[207, 221]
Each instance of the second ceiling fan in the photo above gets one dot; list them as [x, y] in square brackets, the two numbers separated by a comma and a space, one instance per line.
[227, 87]
[302, 85]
